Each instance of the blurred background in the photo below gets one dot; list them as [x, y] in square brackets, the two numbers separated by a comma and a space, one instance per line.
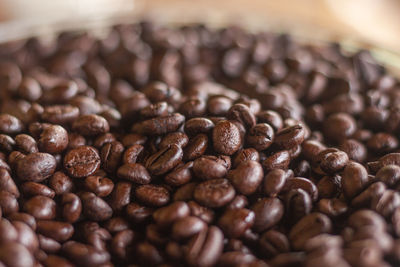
[370, 22]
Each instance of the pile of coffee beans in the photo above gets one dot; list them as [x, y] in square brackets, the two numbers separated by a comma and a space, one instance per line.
[193, 146]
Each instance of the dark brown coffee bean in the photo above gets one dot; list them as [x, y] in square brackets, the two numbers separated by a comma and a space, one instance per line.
[6, 143]
[48, 245]
[332, 207]
[205, 248]
[155, 110]
[260, 136]
[133, 154]
[159, 125]
[95, 208]
[82, 161]
[178, 138]
[40, 207]
[246, 177]
[60, 114]
[214, 193]
[354, 178]
[180, 175]
[15, 254]
[196, 147]
[274, 182]
[61, 183]
[167, 215]
[308, 227]
[134, 172]
[235, 222]
[273, 243]
[298, 204]
[268, 212]
[53, 139]
[71, 207]
[152, 195]
[29, 189]
[121, 241]
[332, 160]
[236, 258]
[387, 203]
[121, 195]
[242, 114]
[194, 107]
[90, 125]
[137, 213]
[226, 138]
[58, 231]
[339, 126]
[389, 174]
[8, 203]
[290, 136]
[209, 167]
[36, 167]
[84, 255]
[187, 227]
[246, 154]
[111, 154]
[103, 139]
[301, 183]
[374, 191]
[164, 160]
[10, 125]
[279, 160]
[101, 186]
[198, 125]
[7, 183]
[53, 260]
[272, 118]
[329, 186]
[203, 213]
[354, 149]
[26, 144]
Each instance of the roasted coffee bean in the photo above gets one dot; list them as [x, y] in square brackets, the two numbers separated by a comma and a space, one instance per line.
[8, 203]
[90, 125]
[203, 213]
[152, 195]
[164, 160]
[279, 160]
[301, 183]
[246, 154]
[214, 193]
[58, 231]
[374, 191]
[246, 177]
[15, 254]
[332, 161]
[205, 248]
[339, 126]
[268, 212]
[196, 147]
[354, 149]
[134, 172]
[159, 125]
[389, 174]
[82, 161]
[26, 144]
[180, 175]
[84, 255]
[234, 222]
[10, 125]
[121, 241]
[71, 207]
[101, 186]
[95, 208]
[290, 136]
[308, 227]
[226, 138]
[60, 114]
[187, 227]
[387, 203]
[6, 143]
[155, 110]
[354, 178]
[273, 242]
[137, 213]
[260, 136]
[133, 154]
[40, 207]
[167, 215]
[242, 114]
[298, 204]
[7, 183]
[61, 183]
[329, 186]
[36, 167]
[53, 139]
[111, 154]
[274, 182]
[198, 125]
[332, 207]
[209, 167]
[32, 189]
[382, 143]
[178, 138]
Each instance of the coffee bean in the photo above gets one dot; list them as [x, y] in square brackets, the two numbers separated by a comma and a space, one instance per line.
[60, 114]
[198, 125]
[101, 186]
[332, 161]
[10, 125]
[33, 189]
[279, 160]
[8, 202]
[187, 227]
[226, 138]
[214, 193]
[301, 183]
[134, 172]
[58, 231]
[246, 177]
[26, 144]
[298, 204]
[60, 183]
[332, 207]
[133, 154]
[152, 195]
[209, 167]
[111, 154]
[95, 208]
[273, 242]
[7, 183]
[290, 136]
[121, 195]
[339, 126]
[242, 114]
[246, 154]
[15, 254]
[71, 207]
[354, 178]
[159, 125]
[36, 167]
[53, 139]
[84, 255]
[40, 207]
[260, 136]
[178, 138]
[235, 222]
[202, 212]
[90, 125]
[196, 147]
[268, 212]
[167, 215]
[180, 175]
[82, 161]
[164, 160]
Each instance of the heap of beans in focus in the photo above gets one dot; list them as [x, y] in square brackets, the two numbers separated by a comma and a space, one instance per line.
[194, 146]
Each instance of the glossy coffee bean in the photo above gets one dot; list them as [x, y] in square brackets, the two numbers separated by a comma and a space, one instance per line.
[214, 193]
[268, 212]
[82, 161]
[235, 222]
[134, 172]
[246, 177]
[53, 139]
[209, 167]
[90, 125]
[226, 138]
[36, 167]
[164, 160]
[152, 195]
[95, 208]
[40, 207]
